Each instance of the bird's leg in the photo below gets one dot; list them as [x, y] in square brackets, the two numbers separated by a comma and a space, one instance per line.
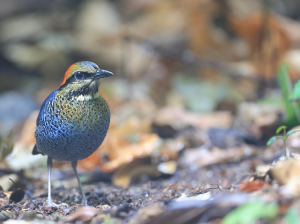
[50, 202]
[84, 199]
[49, 166]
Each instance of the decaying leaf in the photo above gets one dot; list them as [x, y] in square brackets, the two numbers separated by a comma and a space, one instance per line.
[267, 40]
[146, 145]
[6, 146]
[179, 117]
[5, 180]
[83, 214]
[127, 145]
[257, 119]
[205, 157]
[123, 143]
[286, 169]
[250, 186]
[146, 214]
[21, 156]
[168, 167]
[133, 170]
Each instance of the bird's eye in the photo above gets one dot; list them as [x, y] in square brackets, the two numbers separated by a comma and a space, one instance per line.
[79, 75]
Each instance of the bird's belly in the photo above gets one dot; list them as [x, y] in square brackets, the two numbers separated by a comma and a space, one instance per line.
[63, 138]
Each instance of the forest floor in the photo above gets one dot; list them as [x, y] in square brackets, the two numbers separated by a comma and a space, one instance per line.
[189, 196]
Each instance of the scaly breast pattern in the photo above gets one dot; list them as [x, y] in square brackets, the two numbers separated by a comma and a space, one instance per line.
[72, 129]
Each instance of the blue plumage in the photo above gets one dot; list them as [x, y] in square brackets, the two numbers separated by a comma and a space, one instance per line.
[71, 130]
[74, 119]
[48, 99]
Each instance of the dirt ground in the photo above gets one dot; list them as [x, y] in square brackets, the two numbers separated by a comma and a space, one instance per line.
[143, 200]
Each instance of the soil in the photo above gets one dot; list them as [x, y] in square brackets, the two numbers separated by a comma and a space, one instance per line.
[131, 204]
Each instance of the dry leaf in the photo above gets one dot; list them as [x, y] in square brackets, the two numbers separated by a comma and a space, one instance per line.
[257, 119]
[137, 168]
[266, 38]
[145, 214]
[179, 117]
[5, 180]
[292, 188]
[170, 149]
[205, 157]
[27, 134]
[124, 155]
[116, 145]
[291, 27]
[205, 39]
[168, 167]
[83, 214]
[284, 170]
[6, 146]
[21, 156]
[252, 185]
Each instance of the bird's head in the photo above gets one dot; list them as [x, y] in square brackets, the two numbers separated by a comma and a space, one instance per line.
[83, 78]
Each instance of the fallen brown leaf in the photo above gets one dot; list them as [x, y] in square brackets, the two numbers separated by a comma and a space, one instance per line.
[119, 149]
[257, 119]
[127, 173]
[205, 157]
[121, 155]
[179, 117]
[21, 156]
[284, 171]
[83, 214]
[168, 167]
[266, 38]
[6, 146]
[253, 185]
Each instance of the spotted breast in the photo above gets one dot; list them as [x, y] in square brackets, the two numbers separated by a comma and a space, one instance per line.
[71, 129]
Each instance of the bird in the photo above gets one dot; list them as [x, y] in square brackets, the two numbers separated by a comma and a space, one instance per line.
[73, 120]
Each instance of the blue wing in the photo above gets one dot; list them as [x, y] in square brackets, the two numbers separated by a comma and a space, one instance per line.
[50, 98]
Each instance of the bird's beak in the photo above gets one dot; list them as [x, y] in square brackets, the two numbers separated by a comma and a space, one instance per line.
[101, 74]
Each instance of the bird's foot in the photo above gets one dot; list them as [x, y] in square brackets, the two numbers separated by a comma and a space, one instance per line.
[84, 202]
[52, 204]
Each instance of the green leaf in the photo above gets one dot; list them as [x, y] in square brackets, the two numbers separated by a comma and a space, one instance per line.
[291, 217]
[296, 91]
[291, 132]
[279, 129]
[273, 139]
[250, 212]
[292, 109]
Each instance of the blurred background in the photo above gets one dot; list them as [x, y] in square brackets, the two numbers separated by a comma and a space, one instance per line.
[188, 74]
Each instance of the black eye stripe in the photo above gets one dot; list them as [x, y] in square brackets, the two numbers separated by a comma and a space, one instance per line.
[82, 75]
[86, 75]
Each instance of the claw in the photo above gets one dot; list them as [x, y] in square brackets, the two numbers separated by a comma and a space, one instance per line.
[52, 204]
